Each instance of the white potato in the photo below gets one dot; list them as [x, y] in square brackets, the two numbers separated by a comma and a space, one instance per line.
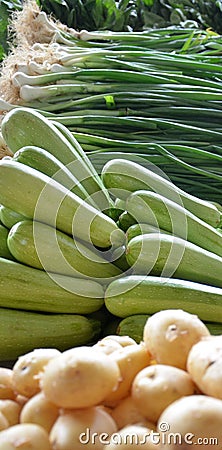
[190, 423]
[130, 359]
[3, 422]
[24, 437]
[40, 411]
[6, 387]
[126, 413]
[112, 342]
[157, 386]
[80, 377]
[170, 334]
[82, 428]
[11, 410]
[27, 368]
[204, 364]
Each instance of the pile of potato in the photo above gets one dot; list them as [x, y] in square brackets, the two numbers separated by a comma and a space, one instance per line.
[164, 393]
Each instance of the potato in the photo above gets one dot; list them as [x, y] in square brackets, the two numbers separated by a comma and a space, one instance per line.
[126, 413]
[24, 437]
[26, 370]
[130, 359]
[132, 437]
[40, 411]
[204, 364]
[191, 422]
[6, 388]
[80, 377]
[3, 422]
[156, 386]
[11, 410]
[170, 334]
[82, 428]
[111, 343]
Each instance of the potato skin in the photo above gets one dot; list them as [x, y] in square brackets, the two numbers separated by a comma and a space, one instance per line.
[204, 364]
[82, 428]
[157, 386]
[194, 420]
[26, 370]
[40, 411]
[24, 436]
[79, 378]
[170, 334]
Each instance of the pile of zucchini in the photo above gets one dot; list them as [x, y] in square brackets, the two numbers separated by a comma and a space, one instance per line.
[73, 241]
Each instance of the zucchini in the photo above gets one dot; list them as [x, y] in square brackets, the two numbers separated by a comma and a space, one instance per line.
[36, 196]
[152, 208]
[169, 256]
[31, 289]
[121, 177]
[74, 143]
[9, 217]
[125, 220]
[23, 331]
[214, 328]
[25, 126]
[43, 247]
[45, 162]
[136, 294]
[141, 228]
[4, 250]
[133, 326]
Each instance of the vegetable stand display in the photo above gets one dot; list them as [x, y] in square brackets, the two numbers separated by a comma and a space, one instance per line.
[110, 237]
[110, 191]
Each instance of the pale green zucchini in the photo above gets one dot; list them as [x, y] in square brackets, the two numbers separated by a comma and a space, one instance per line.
[141, 228]
[24, 331]
[24, 287]
[4, 250]
[133, 326]
[157, 210]
[43, 247]
[45, 162]
[25, 126]
[125, 220]
[136, 294]
[9, 217]
[121, 177]
[169, 256]
[36, 196]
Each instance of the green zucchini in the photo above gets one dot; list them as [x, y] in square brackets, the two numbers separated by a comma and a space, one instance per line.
[36, 196]
[152, 208]
[136, 294]
[24, 287]
[214, 328]
[23, 331]
[25, 126]
[4, 250]
[43, 247]
[125, 220]
[45, 162]
[141, 228]
[9, 217]
[121, 177]
[133, 326]
[169, 256]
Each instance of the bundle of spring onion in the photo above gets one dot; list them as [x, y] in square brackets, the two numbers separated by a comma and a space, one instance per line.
[155, 94]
